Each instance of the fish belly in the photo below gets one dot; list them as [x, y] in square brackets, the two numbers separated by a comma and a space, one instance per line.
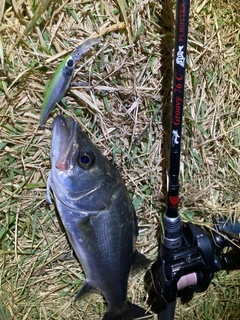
[104, 244]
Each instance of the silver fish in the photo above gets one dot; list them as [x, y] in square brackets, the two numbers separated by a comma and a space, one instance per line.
[98, 216]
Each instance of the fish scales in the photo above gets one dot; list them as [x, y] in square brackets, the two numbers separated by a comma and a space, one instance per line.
[97, 214]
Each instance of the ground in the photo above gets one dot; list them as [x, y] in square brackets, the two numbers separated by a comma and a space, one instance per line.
[126, 112]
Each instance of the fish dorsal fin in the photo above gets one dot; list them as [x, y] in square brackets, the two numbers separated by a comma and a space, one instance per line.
[140, 261]
[85, 290]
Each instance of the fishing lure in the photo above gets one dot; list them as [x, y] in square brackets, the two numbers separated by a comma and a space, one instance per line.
[62, 78]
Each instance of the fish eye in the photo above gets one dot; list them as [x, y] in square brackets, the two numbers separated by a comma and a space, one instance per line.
[86, 160]
[70, 63]
[68, 67]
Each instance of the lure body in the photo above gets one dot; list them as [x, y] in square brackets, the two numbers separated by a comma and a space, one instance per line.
[62, 79]
[58, 87]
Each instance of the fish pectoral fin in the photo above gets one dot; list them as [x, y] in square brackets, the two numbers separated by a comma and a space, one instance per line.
[140, 261]
[48, 196]
[85, 290]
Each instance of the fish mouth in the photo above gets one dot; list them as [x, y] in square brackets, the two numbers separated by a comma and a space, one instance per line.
[64, 131]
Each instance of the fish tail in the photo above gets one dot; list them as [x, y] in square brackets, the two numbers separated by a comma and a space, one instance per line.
[130, 312]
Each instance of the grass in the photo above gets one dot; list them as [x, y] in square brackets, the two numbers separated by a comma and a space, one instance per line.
[126, 114]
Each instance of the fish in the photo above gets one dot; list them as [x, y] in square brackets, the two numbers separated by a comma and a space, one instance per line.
[98, 216]
[62, 79]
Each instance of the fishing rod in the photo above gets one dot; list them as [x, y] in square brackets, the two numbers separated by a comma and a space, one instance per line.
[171, 219]
[189, 255]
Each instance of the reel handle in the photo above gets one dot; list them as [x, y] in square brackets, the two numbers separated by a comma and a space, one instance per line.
[225, 227]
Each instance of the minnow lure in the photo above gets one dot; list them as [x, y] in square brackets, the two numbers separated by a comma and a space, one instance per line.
[62, 78]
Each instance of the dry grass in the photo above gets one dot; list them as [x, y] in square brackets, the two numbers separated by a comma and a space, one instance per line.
[126, 114]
